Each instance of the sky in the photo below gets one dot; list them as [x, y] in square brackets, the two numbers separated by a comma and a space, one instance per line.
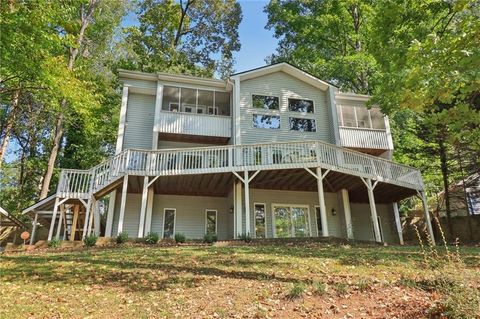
[257, 42]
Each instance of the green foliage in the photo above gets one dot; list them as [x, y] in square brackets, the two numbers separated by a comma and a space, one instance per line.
[320, 288]
[180, 238]
[297, 291]
[245, 237]
[152, 238]
[195, 37]
[54, 243]
[210, 238]
[122, 238]
[90, 240]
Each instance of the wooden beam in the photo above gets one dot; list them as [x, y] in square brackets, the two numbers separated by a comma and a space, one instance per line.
[34, 228]
[423, 197]
[321, 200]
[122, 204]
[398, 223]
[248, 230]
[148, 217]
[347, 213]
[54, 217]
[76, 212]
[373, 209]
[110, 213]
[143, 207]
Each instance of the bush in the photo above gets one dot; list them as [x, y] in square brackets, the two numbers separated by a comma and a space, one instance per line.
[180, 238]
[152, 238]
[320, 288]
[245, 237]
[210, 238]
[122, 238]
[90, 240]
[297, 290]
[54, 243]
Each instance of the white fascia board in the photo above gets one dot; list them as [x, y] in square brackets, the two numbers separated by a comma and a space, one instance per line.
[352, 97]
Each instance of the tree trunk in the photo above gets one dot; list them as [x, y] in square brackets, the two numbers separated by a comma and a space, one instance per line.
[9, 126]
[53, 156]
[465, 194]
[444, 168]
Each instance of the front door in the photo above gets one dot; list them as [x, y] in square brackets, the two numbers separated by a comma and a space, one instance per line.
[169, 223]
[291, 221]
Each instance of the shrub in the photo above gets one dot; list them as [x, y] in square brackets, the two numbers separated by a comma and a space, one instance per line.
[122, 238]
[210, 238]
[90, 240]
[54, 243]
[152, 238]
[180, 238]
[320, 288]
[246, 237]
[297, 290]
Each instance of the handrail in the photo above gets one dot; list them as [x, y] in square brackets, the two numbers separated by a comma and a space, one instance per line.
[200, 160]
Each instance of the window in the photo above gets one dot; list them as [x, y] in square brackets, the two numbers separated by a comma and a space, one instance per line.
[299, 105]
[260, 230]
[319, 221]
[361, 117]
[265, 102]
[266, 121]
[212, 110]
[302, 125]
[168, 222]
[378, 119]
[291, 221]
[211, 222]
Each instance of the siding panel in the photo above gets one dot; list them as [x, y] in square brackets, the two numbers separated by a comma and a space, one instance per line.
[362, 225]
[139, 124]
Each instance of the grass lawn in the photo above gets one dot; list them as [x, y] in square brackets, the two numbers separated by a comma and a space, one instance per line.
[314, 280]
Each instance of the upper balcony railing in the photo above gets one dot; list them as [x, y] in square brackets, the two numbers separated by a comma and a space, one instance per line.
[364, 138]
[194, 124]
[202, 160]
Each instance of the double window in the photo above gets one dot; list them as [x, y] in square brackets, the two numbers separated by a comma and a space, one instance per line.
[302, 124]
[291, 221]
[266, 121]
[265, 102]
[260, 218]
[300, 105]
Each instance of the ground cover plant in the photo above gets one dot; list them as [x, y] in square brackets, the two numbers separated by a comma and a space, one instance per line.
[265, 281]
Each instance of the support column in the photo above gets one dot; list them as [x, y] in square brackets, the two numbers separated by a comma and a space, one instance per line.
[347, 212]
[238, 209]
[76, 212]
[87, 218]
[248, 231]
[143, 207]
[427, 216]
[96, 219]
[373, 210]
[398, 223]
[148, 217]
[122, 204]
[60, 221]
[93, 213]
[321, 201]
[54, 217]
[34, 229]
[111, 210]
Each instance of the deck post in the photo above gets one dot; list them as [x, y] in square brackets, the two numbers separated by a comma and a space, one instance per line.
[427, 216]
[96, 220]
[321, 202]
[88, 209]
[122, 204]
[34, 228]
[373, 210]
[54, 217]
[93, 215]
[111, 210]
[398, 223]
[60, 221]
[238, 209]
[248, 231]
[347, 212]
[148, 217]
[143, 208]
[76, 212]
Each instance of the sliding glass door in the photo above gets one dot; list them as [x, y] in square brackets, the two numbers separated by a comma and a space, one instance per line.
[291, 221]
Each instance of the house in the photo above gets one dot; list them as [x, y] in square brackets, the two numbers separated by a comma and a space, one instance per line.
[10, 226]
[464, 200]
[272, 152]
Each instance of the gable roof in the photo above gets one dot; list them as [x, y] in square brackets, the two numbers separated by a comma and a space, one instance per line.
[287, 68]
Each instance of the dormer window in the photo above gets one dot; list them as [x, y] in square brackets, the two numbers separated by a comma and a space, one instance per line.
[265, 102]
[300, 105]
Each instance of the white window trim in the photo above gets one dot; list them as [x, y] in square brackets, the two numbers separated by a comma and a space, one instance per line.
[216, 220]
[290, 206]
[300, 98]
[267, 95]
[255, 218]
[174, 220]
[302, 118]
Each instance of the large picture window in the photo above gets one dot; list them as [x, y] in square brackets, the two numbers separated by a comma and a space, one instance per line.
[300, 105]
[188, 100]
[361, 117]
[302, 125]
[210, 221]
[266, 121]
[260, 231]
[291, 221]
[168, 223]
[265, 102]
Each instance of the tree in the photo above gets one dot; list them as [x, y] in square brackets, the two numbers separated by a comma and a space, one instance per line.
[328, 38]
[190, 36]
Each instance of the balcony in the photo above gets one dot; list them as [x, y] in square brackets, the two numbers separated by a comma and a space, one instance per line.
[194, 124]
[364, 138]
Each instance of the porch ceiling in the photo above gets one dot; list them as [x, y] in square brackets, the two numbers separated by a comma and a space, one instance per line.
[220, 184]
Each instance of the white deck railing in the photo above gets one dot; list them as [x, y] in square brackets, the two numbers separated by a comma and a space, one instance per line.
[202, 160]
[364, 138]
[194, 124]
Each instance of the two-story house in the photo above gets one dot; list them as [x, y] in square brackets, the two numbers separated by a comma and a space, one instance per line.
[272, 152]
